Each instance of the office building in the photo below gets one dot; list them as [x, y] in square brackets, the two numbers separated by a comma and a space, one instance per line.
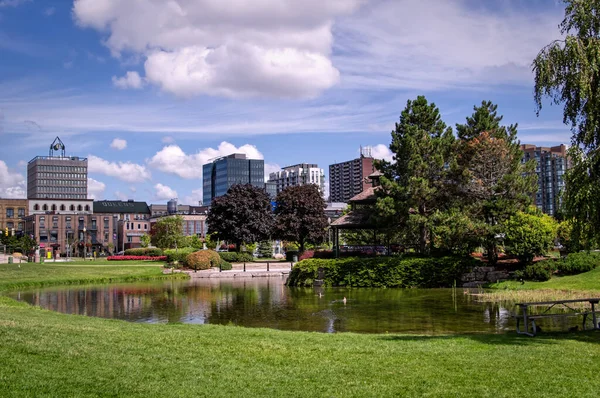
[12, 214]
[194, 217]
[219, 175]
[299, 174]
[551, 166]
[57, 176]
[348, 179]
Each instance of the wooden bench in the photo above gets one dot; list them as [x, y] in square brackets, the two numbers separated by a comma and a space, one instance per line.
[529, 319]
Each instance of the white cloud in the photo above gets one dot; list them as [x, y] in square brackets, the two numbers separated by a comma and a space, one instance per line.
[130, 80]
[381, 151]
[118, 144]
[12, 184]
[13, 3]
[271, 168]
[172, 159]
[49, 11]
[163, 192]
[431, 44]
[168, 140]
[276, 48]
[95, 189]
[194, 198]
[125, 171]
[121, 196]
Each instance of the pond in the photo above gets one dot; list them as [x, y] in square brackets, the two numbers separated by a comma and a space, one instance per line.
[267, 302]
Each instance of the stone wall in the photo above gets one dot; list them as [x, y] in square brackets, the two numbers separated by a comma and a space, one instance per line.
[482, 275]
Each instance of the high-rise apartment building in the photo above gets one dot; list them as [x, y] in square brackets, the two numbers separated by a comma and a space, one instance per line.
[299, 174]
[219, 175]
[551, 166]
[348, 179]
[57, 176]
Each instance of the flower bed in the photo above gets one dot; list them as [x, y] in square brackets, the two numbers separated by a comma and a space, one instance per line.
[137, 258]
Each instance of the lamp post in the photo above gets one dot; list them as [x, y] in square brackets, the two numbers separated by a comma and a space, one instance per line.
[12, 230]
[84, 243]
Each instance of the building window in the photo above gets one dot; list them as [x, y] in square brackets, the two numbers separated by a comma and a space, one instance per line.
[10, 212]
[106, 222]
[129, 239]
[21, 212]
[45, 207]
[72, 208]
[79, 208]
[42, 222]
[36, 207]
[87, 208]
[139, 226]
[10, 225]
[62, 207]
[53, 207]
[54, 222]
[20, 226]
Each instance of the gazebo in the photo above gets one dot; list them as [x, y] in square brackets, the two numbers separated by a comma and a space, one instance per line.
[358, 217]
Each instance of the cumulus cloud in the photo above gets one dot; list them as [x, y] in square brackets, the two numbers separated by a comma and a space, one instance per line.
[12, 184]
[130, 80]
[381, 151]
[271, 168]
[125, 171]
[13, 3]
[121, 196]
[95, 189]
[194, 198]
[168, 140]
[163, 192]
[277, 48]
[172, 159]
[118, 144]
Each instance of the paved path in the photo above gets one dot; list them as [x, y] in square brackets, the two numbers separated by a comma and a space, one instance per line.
[253, 270]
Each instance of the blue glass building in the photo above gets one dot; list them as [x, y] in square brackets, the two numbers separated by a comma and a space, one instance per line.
[222, 173]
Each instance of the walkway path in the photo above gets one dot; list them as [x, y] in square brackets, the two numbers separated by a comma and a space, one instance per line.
[253, 270]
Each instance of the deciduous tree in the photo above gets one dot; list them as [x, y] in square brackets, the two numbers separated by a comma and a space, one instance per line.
[167, 232]
[243, 214]
[300, 215]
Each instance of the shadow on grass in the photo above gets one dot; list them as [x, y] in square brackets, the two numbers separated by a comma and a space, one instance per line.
[511, 338]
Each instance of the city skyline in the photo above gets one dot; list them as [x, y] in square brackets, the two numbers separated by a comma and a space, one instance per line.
[107, 90]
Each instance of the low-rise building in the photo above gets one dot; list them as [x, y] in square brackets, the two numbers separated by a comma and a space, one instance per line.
[12, 214]
[131, 220]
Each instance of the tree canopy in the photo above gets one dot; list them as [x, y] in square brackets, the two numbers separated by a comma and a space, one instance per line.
[300, 215]
[167, 232]
[243, 214]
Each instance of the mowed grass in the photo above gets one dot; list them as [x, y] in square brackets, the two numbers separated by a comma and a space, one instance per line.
[50, 354]
[588, 281]
[36, 275]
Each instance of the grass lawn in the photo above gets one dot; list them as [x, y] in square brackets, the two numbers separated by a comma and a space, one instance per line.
[588, 281]
[50, 354]
[32, 275]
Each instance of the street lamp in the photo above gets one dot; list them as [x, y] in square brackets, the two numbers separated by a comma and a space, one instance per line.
[13, 231]
[84, 243]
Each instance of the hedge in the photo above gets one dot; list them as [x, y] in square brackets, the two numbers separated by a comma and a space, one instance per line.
[235, 257]
[144, 251]
[136, 258]
[578, 263]
[395, 271]
[204, 259]
[179, 255]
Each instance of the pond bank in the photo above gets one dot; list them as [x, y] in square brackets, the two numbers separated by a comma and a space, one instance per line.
[249, 270]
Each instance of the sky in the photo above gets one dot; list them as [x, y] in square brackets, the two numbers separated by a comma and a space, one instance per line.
[150, 90]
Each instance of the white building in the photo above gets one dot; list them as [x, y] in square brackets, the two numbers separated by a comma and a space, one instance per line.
[299, 174]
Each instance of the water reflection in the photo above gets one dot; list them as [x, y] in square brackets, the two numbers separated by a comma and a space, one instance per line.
[267, 302]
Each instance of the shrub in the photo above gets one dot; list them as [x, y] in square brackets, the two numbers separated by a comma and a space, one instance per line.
[540, 271]
[203, 259]
[578, 263]
[136, 258]
[306, 255]
[234, 257]
[395, 271]
[225, 266]
[529, 235]
[144, 251]
[179, 255]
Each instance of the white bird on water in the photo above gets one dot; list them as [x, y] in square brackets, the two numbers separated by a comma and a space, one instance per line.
[344, 300]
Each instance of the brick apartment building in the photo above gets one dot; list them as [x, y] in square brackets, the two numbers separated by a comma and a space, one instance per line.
[12, 214]
[350, 178]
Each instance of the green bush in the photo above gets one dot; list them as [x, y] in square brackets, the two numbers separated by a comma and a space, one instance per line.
[225, 266]
[540, 271]
[234, 257]
[145, 251]
[529, 235]
[203, 259]
[395, 271]
[179, 255]
[578, 263]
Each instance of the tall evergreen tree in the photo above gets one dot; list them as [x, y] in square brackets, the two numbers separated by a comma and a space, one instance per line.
[413, 187]
[491, 181]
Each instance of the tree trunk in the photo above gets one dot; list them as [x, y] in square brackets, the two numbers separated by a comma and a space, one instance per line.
[301, 242]
[422, 238]
[492, 253]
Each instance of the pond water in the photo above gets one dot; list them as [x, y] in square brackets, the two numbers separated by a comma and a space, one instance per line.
[267, 302]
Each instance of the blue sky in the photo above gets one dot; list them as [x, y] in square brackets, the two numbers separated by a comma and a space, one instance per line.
[149, 90]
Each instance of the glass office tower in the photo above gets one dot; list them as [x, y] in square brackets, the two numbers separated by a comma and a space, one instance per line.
[222, 173]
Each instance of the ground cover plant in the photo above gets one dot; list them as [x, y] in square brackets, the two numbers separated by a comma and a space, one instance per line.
[588, 281]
